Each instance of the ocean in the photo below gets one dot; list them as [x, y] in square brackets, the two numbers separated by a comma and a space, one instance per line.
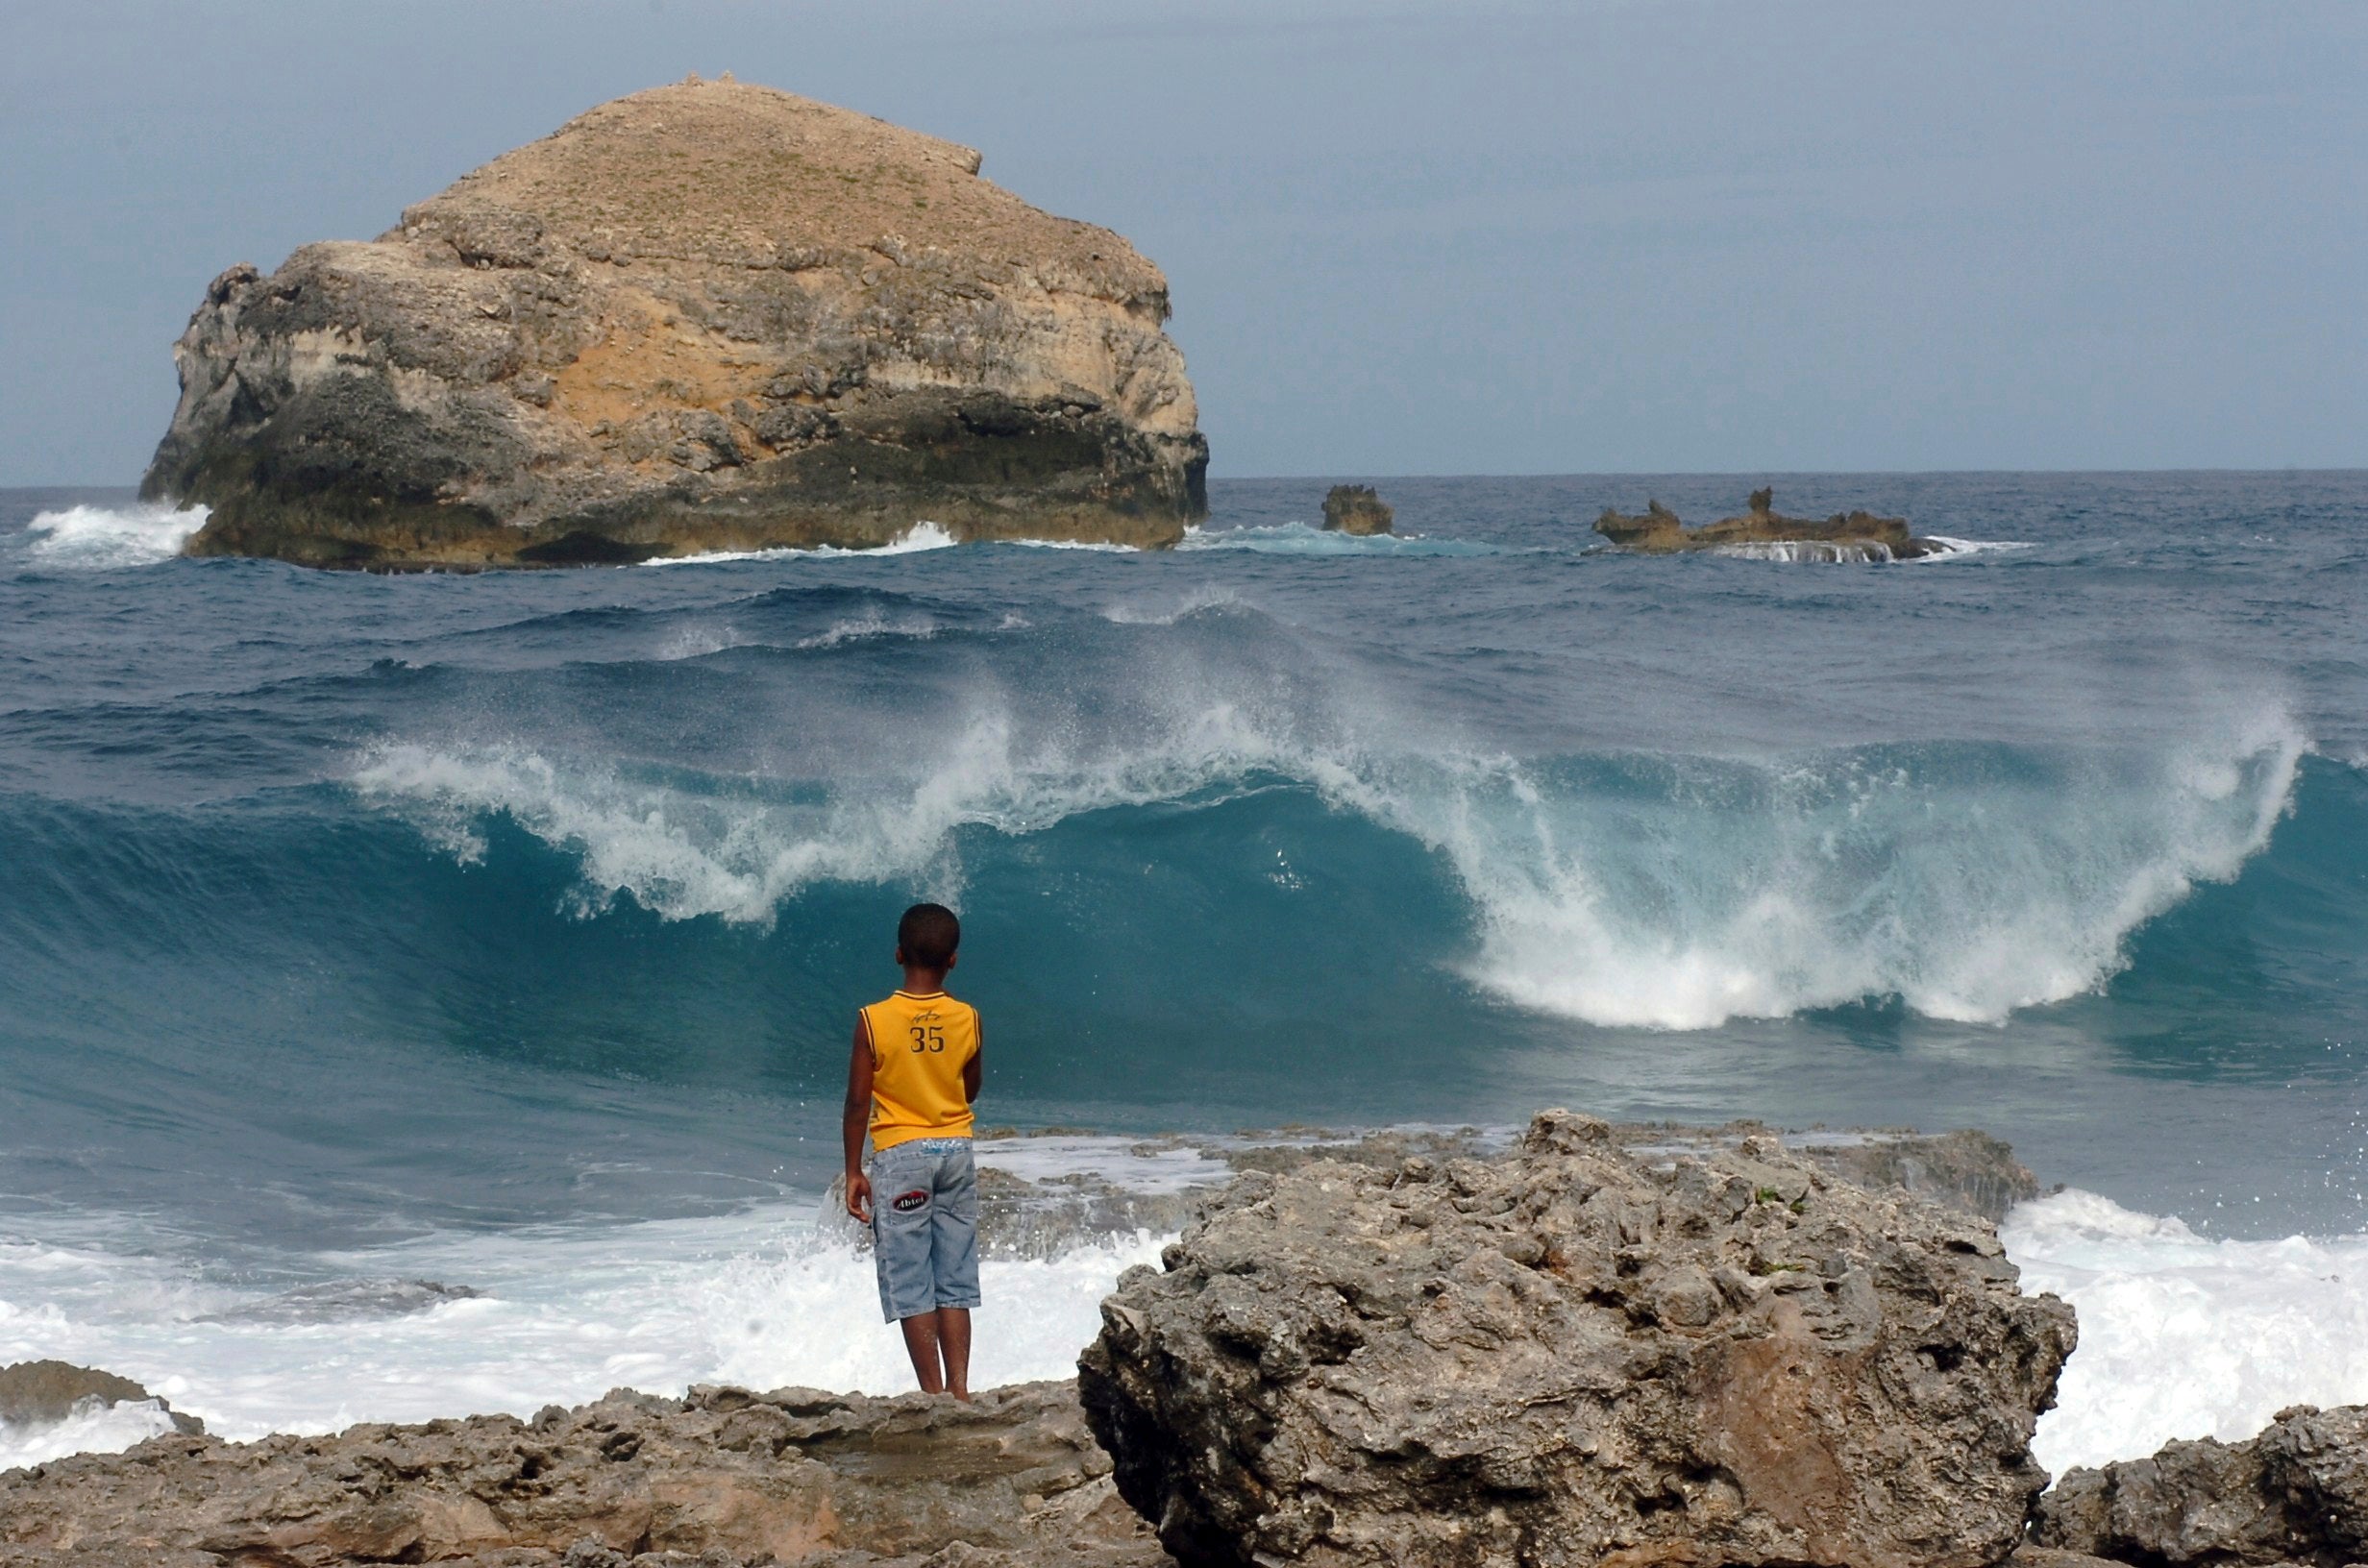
[506, 931]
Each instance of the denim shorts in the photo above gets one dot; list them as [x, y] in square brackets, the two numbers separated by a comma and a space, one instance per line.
[925, 1226]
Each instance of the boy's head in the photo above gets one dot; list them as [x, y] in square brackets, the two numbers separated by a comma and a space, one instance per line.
[927, 936]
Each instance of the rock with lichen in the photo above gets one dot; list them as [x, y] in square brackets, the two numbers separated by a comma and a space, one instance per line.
[708, 316]
[1761, 531]
[1587, 1351]
[1356, 508]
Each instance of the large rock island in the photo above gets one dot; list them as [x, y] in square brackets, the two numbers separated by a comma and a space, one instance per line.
[708, 316]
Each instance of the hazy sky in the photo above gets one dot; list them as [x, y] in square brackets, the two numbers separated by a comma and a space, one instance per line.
[1456, 237]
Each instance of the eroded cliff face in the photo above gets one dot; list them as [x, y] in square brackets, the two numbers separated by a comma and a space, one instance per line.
[710, 316]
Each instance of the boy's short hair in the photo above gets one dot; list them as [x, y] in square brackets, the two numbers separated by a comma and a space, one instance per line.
[929, 935]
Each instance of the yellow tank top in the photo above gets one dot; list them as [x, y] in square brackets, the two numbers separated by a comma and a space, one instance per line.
[920, 1045]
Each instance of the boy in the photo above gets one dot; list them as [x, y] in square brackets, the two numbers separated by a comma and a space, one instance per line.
[911, 1082]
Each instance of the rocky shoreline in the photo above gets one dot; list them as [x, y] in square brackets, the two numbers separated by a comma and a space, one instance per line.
[1630, 1346]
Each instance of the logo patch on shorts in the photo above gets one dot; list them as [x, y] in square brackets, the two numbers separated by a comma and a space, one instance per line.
[910, 1201]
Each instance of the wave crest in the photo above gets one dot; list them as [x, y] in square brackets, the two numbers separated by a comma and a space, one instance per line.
[1968, 882]
[1662, 892]
[106, 538]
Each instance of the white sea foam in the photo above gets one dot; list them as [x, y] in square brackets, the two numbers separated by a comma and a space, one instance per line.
[1832, 551]
[105, 538]
[2181, 1335]
[93, 1428]
[1096, 545]
[763, 1298]
[2187, 1336]
[1761, 889]
[1805, 549]
[1958, 550]
[921, 537]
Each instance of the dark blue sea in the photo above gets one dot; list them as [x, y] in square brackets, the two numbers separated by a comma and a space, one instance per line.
[506, 930]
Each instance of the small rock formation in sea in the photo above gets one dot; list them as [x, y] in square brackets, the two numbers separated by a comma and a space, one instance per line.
[710, 316]
[724, 1476]
[1356, 508]
[42, 1392]
[1762, 529]
[1583, 1354]
[2297, 1493]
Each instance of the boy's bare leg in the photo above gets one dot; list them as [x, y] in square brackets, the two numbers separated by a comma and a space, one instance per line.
[921, 1344]
[954, 1341]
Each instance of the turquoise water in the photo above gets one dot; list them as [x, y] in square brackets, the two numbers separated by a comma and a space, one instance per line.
[343, 912]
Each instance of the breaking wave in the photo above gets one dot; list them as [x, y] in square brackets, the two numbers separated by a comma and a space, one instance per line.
[1665, 892]
[107, 538]
[921, 537]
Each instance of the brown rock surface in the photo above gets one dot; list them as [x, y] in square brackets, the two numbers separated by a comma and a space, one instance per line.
[1844, 537]
[2296, 1493]
[723, 1477]
[707, 316]
[1356, 508]
[1583, 1354]
[47, 1391]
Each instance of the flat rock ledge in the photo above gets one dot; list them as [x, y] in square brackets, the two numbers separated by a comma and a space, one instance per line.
[723, 1477]
[1760, 530]
[1585, 1353]
[705, 317]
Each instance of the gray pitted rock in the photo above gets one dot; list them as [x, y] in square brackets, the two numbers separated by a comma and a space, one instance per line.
[2296, 1493]
[1578, 1355]
[723, 1477]
[710, 316]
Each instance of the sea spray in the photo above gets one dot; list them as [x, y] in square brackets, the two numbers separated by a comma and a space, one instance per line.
[107, 538]
[763, 1297]
[2187, 1335]
[1668, 892]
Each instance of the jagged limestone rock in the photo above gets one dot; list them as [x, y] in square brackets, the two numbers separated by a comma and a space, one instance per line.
[725, 1477]
[2296, 1493]
[1356, 508]
[710, 316]
[1580, 1354]
[1857, 535]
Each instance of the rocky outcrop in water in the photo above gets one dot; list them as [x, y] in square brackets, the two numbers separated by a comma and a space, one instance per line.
[710, 316]
[1762, 529]
[38, 1393]
[1356, 508]
[2296, 1493]
[1582, 1353]
[724, 1478]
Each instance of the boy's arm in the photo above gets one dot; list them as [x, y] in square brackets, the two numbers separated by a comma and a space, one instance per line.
[857, 1119]
[975, 1071]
